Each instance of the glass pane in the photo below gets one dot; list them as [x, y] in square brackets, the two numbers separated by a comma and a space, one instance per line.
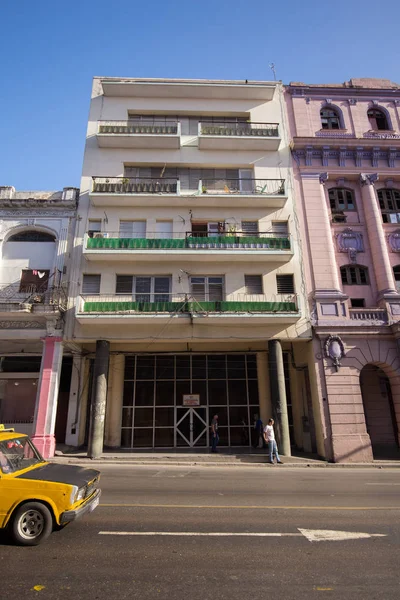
[199, 367]
[182, 387]
[251, 360]
[253, 391]
[144, 417]
[126, 438]
[129, 367]
[164, 417]
[223, 436]
[237, 392]
[128, 393]
[145, 367]
[165, 393]
[183, 428]
[238, 416]
[127, 417]
[144, 395]
[165, 367]
[222, 415]
[164, 438]
[240, 436]
[143, 438]
[183, 367]
[217, 393]
[200, 387]
[236, 366]
[216, 367]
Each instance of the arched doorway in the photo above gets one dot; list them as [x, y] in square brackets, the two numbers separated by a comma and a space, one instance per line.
[379, 413]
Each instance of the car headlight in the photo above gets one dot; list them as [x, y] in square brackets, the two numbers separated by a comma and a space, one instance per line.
[80, 494]
[74, 491]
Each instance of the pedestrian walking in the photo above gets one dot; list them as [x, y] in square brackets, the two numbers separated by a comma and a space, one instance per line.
[269, 436]
[214, 434]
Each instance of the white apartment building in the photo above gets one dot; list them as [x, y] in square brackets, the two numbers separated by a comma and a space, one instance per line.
[187, 273]
[36, 237]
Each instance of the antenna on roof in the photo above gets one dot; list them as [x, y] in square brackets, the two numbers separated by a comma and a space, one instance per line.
[272, 67]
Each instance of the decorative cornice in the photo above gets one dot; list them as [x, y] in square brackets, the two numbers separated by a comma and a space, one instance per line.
[22, 325]
[21, 213]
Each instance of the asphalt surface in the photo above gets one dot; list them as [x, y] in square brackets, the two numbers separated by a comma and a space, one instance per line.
[94, 558]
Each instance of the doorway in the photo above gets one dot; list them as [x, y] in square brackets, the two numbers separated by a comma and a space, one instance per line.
[191, 426]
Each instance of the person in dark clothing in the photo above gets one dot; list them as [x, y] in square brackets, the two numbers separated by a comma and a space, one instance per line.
[214, 434]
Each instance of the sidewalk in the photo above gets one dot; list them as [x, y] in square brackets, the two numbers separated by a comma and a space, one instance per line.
[226, 457]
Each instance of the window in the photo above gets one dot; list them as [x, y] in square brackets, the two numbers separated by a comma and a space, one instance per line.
[281, 227]
[132, 229]
[91, 284]
[330, 119]
[207, 288]
[285, 284]
[396, 272]
[377, 119]
[357, 302]
[94, 226]
[389, 202]
[354, 275]
[341, 199]
[32, 236]
[250, 228]
[253, 284]
[144, 289]
[34, 280]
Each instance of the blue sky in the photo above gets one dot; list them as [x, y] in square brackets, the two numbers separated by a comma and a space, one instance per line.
[50, 50]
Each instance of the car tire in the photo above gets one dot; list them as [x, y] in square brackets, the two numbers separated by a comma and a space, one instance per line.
[31, 524]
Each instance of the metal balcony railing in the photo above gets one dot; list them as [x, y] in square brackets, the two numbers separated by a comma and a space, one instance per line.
[186, 303]
[248, 129]
[148, 127]
[136, 185]
[257, 187]
[115, 240]
[53, 298]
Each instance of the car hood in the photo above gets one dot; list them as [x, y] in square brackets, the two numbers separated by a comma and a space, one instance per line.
[70, 474]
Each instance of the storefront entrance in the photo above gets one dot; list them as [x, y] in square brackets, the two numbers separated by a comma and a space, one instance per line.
[191, 426]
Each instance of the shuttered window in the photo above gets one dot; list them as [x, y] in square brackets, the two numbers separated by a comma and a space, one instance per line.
[207, 288]
[124, 284]
[253, 284]
[132, 229]
[91, 284]
[280, 227]
[285, 284]
[250, 227]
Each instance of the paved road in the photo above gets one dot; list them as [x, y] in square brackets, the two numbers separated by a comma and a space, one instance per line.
[88, 560]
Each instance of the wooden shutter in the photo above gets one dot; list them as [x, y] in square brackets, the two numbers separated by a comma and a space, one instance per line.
[253, 284]
[285, 284]
[124, 284]
[91, 284]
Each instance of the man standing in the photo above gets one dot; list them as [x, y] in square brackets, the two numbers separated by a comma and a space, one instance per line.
[214, 434]
[269, 437]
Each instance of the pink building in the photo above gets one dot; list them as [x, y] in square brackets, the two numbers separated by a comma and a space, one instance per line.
[346, 159]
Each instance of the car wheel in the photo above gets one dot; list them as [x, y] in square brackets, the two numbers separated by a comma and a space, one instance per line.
[31, 524]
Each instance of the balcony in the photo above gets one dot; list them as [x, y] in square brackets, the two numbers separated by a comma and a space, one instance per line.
[168, 192]
[253, 309]
[143, 134]
[238, 136]
[40, 302]
[238, 246]
[368, 316]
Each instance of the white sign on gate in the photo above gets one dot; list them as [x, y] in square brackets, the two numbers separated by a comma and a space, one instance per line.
[191, 400]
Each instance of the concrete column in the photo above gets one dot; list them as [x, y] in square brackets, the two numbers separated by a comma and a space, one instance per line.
[46, 403]
[380, 256]
[72, 433]
[99, 399]
[278, 394]
[320, 241]
[115, 402]
[263, 387]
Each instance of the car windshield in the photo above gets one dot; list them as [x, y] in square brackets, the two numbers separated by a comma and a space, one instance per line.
[17, 454]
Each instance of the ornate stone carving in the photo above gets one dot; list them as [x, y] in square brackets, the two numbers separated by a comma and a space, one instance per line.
[334, 349]
[328, 101]
[368, 178]
[22, 325]
[351, 242]
[394, 241]
[24, 214]
[323, 177]
[352, 101]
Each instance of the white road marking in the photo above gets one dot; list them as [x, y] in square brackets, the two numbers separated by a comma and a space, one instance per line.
[382, 484]
[312, 535]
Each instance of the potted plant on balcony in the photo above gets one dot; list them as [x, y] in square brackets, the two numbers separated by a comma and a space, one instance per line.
[125, 184]
[204, 189]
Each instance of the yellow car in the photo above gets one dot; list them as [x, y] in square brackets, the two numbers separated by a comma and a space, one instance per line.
[37, 496]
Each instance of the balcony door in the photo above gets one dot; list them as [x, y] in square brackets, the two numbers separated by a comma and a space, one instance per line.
[191, 426]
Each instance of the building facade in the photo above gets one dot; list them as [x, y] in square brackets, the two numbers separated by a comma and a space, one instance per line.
[36, 237]
[187, 294]
[346, 157]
